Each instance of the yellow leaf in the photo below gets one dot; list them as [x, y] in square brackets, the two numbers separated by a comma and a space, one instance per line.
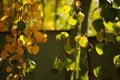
[83, 42]
[3, 54]
[7, 47]
[20, 51]
[8, 69]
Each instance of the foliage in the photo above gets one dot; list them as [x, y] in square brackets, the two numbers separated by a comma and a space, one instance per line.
[106, 26]
[22, 21]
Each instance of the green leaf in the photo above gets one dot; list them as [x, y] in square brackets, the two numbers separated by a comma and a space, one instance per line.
[58, 37]
[84, 70]
[116, 61]
[101, 71]
[100, 36]
[21, 25]
[109, 25]
[110, 37]
[103, 3]
[83, 42]
[102, 48]
[118, 38]
[72, 21]
[109, 14]
[98, 24]
[106, 49]
[99, 48]
[58, 64]
[67, 47]
[64, 35]
[70, 65]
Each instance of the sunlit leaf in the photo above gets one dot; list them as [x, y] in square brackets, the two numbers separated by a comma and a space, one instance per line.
[97, 71]
[81, 15]
[116, 60]
[66, 10]
[99, 48]
[83, 42]
[78, 3]
[32, 64]
[29, 40]
[101, 71]
[77, 38]
[118, 38]
[72, 21]
[70, 65]
[109, 25]
[64, 35]
[102, 48]
[22, 38]
[84, 73]
[58, 37]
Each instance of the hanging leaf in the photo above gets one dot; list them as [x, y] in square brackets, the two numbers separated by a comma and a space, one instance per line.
[102, 48]
[72, 21]
[100, 36]
[77, 38]
[98, 24]
[109, 14]
[30, 65]
[64, 35]
[118, 38]
[68, 49]
[58, 64]
[58, 37]
[97, 71]
[21, 25]
[116, 60]
[70, 65]
[110, 37]
[83, 42]
[84, 73]
[99, 48]
[81, 15]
